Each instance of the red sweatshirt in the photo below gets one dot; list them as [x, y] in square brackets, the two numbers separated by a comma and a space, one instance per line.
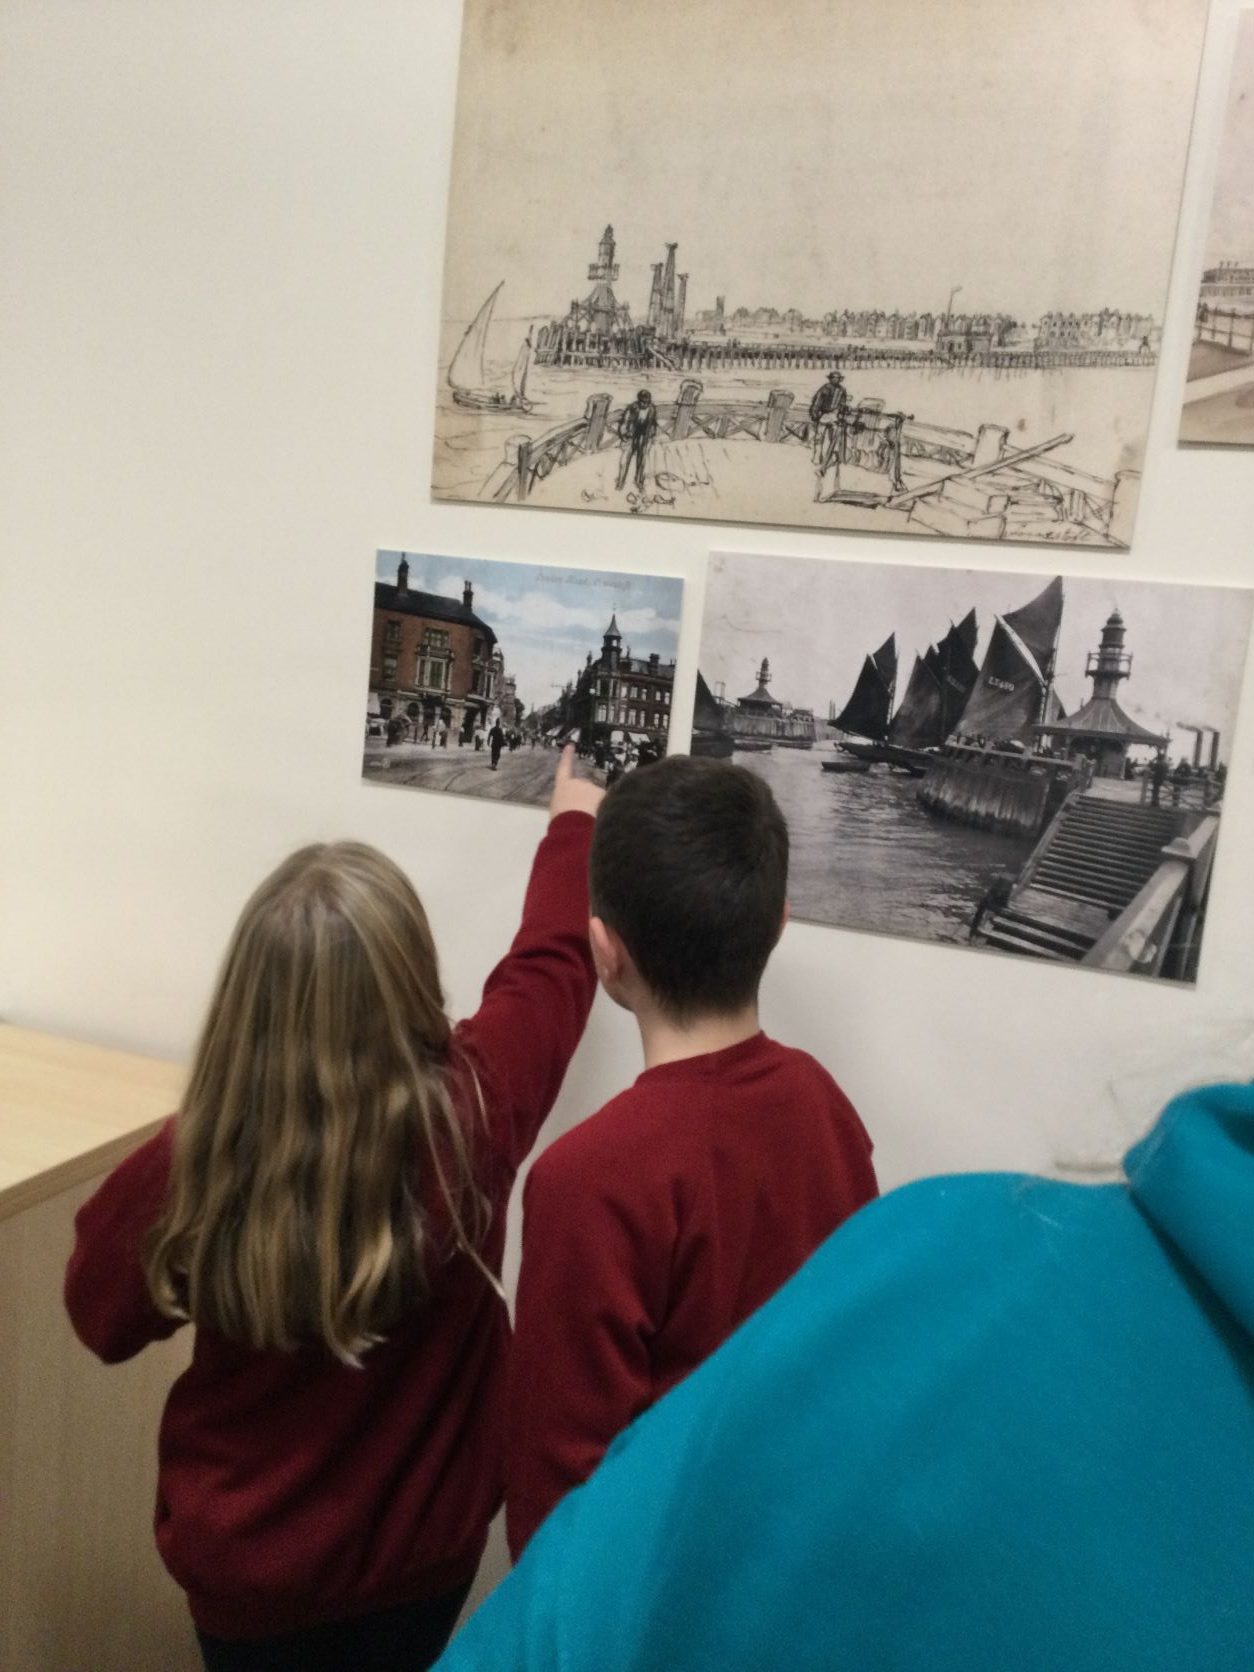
[293, 1489]
[651, 1232]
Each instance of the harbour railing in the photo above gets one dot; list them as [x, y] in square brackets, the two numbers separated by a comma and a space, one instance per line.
[1226, 328]
[1159, 932]
[1056, 490]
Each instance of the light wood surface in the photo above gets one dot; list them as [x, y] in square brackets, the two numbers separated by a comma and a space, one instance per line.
[69, 1112]
[82, 1588]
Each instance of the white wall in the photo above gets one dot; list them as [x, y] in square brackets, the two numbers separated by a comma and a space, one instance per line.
[221, 253]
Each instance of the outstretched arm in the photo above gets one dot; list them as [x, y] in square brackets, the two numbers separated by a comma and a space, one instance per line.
[536, 1001]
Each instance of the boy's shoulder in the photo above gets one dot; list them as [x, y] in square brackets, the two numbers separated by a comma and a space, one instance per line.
[643, 1130]
[622, 1137]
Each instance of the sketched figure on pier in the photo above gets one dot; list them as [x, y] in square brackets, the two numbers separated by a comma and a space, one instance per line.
[636, 430]
[827, 415]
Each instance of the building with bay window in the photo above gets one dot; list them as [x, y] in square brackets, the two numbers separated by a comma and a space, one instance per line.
[432, 658]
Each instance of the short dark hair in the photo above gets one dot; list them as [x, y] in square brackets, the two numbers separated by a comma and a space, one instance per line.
[690, 868]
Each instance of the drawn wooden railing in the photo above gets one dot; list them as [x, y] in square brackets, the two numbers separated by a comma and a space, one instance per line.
[1158, 932]
[1072, 495]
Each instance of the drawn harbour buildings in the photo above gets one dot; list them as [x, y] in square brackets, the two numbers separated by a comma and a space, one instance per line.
[598, 330]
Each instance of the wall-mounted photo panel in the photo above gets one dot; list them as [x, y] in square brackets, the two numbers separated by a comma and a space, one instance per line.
[480, 672]
[1219, 393]
[828, 265]
[1029, 763]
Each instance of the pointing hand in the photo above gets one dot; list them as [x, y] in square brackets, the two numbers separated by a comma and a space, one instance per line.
[571, 794]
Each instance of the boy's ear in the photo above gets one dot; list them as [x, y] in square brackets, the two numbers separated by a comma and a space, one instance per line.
[783, 922]
[612, 961]
[607, 950]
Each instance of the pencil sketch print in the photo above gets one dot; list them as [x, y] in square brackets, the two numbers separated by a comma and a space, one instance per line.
[835, 266]
[1028, 763]
[1219, 393]
[480, 672]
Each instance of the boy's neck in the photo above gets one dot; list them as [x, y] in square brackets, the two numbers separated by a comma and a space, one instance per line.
[666, 1040]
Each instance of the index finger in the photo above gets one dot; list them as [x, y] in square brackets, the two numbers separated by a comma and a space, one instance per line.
[565, 764]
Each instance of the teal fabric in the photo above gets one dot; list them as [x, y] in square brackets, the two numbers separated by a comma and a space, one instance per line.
[996, 1424]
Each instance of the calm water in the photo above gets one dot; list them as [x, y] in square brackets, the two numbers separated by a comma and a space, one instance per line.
[865, 855]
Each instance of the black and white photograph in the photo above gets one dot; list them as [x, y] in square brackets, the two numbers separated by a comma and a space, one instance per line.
[481, 672]
[1032, 764]
[822, 265]
[1219, 391]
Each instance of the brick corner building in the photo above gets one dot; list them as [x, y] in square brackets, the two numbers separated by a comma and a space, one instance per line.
[432, 658]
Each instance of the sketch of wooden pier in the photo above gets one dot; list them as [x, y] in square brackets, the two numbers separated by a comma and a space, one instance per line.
[922, 477]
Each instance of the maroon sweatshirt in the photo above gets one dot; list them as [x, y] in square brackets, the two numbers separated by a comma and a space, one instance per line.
[651, 1232]
[293, 1489]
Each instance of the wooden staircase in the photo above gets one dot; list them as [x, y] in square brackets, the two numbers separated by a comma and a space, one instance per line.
[1089, 866]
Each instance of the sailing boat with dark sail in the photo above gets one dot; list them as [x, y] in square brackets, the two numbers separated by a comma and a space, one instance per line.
[467, 372]
[939, 688]
[866, 715]
[990, 774]
[711, 728]
[1014, 690]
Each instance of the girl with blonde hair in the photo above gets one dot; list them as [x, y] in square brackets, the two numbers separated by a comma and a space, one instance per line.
[327, 1209]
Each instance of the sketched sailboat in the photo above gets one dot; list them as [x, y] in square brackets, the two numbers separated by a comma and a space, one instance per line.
[467, 374]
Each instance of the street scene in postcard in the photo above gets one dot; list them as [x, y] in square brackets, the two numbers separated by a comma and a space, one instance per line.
[836, 266]
[1219, 393]
[1029, 763]
[480, 672]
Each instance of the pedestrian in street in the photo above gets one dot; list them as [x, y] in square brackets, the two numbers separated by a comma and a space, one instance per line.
[479, 737]
[636, 430]
[496, 742]
[1158, 776]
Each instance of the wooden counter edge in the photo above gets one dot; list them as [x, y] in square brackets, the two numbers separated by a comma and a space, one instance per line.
[92, 1163]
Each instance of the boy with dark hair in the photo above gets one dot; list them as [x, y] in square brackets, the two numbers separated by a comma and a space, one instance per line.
[656, 1227]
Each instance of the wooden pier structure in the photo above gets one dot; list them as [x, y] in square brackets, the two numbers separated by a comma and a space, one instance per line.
[975, 486]
[586, 350]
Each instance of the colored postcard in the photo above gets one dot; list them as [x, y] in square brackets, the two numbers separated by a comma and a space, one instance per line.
[480, 672]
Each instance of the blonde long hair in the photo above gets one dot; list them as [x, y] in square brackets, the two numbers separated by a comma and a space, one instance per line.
[319, 1129]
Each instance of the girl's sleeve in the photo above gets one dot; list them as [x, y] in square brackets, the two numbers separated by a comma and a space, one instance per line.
[106, 1293]
[536, 1001]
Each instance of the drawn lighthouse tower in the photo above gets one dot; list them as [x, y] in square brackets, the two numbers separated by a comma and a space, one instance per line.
[602, 304]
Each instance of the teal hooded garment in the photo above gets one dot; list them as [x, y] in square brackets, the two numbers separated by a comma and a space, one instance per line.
[995, 1424]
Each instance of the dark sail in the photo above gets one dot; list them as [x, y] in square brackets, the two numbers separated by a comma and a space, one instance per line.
[956, 671]
[1009, 696]
[940, 683]
[706, 713]
[917, 723]
[871, 702]
[1037, 625]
